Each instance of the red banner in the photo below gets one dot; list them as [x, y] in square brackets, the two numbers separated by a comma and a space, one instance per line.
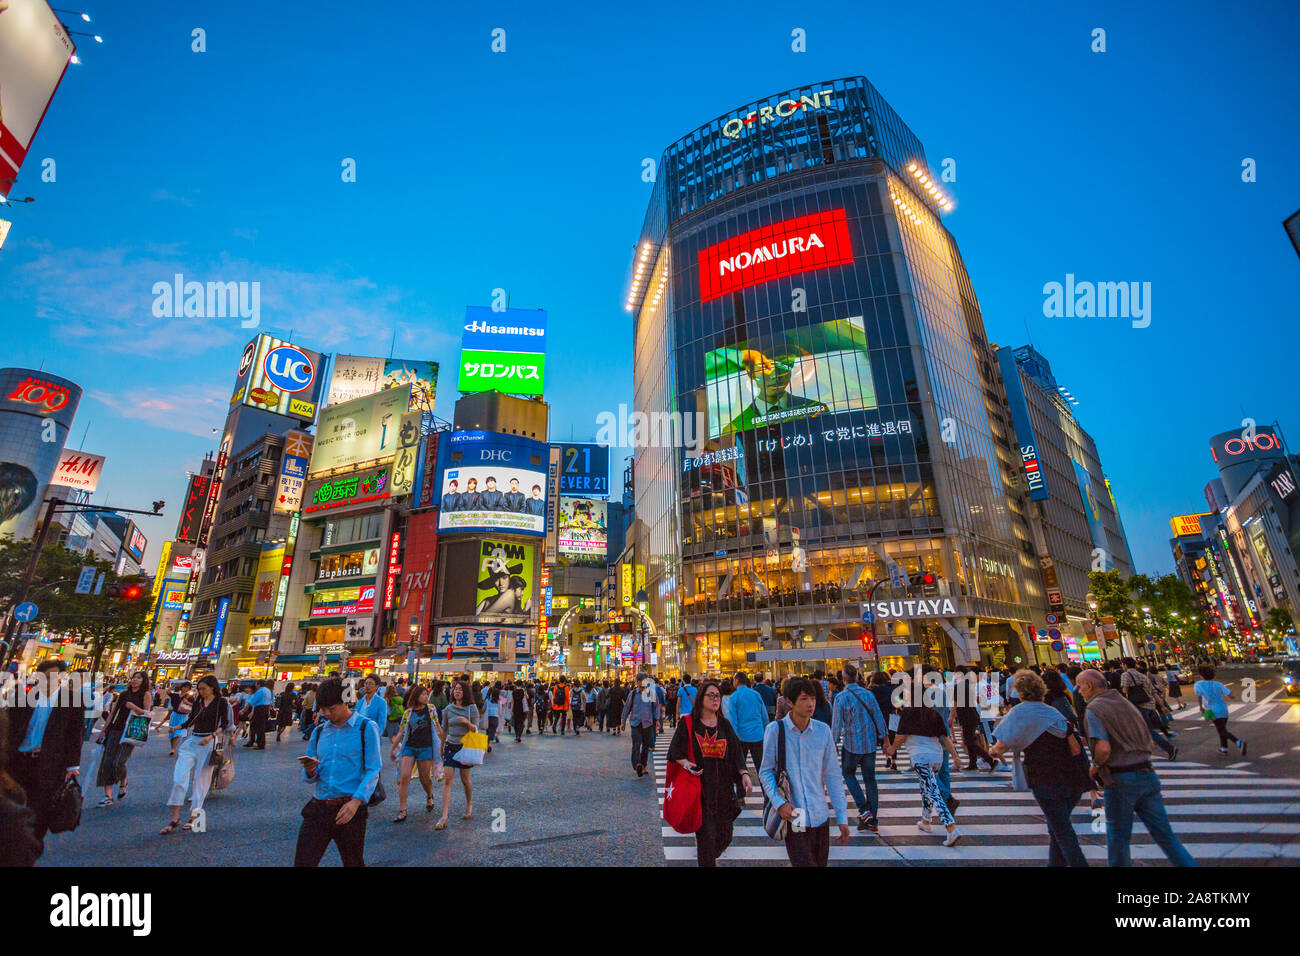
[815, 241]
[416, 598]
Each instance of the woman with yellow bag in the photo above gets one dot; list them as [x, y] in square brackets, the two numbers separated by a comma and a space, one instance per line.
[463, 747]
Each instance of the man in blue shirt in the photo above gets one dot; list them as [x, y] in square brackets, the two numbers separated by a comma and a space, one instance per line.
[260, 701]
[765, 690]
[748, 717]
[856, 716]
[343, 761]
[371, 703]
[813, 770]
[686, 696]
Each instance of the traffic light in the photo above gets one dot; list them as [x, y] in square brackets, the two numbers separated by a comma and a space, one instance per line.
[126, 590]
[923, 579]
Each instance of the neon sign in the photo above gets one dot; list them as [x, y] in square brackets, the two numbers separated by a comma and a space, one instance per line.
[737, 126]
[815, 241]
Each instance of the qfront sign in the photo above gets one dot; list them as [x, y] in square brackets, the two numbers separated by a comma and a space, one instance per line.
[816, 241]
[738, 126]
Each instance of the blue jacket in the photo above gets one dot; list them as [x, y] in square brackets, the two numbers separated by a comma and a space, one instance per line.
[748, 714]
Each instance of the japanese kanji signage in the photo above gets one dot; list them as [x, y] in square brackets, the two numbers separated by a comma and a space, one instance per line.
[470, 641]
[503, 351]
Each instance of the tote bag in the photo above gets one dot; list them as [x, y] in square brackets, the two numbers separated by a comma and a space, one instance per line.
[473, 748]
[682, 809]
[136, 732]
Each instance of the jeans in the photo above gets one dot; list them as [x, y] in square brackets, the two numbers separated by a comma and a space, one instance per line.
[492, 737]
[849, 764]
[1057, 803]
[1139, 793]
[257, 726]
[1153, 724]
[642, 744]
[755, 751]
[943, 777]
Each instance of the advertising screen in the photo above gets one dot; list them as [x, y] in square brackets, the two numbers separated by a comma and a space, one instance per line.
[187, 529]
[364, 430]
[173, 595]
[789, 376]
[504, 589]
[337, 602]
[76, 469]
[584, 533]
[584, 469]
[293, 471]
[1091, 509]
[1182, 525]
[355, 376]
[268, 579]
[415, 600]
[815, 241]
[493, 482]
[278, 377]
[503, 351]
[35, 51]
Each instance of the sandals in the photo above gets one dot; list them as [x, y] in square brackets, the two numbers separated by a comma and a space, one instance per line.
[440, 825]
[121, 793]
[104, 802]
[468, 815]
[401, 817]
[170, 828]
[428, 806]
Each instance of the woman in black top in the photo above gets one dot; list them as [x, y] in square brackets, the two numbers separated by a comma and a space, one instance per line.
[707, 746]
[518, 713]
[209, 720]
[134, 700]
[882, 688]
[284, 711]
[419, 743]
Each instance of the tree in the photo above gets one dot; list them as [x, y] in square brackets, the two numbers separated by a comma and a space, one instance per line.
[1278, 623]
[56, 564]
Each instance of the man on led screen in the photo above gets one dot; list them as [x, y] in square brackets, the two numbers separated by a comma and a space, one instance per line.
[491, 497]
[513, 500]
[537, 504]
[451, 500]
[470, 500]
[770, 384]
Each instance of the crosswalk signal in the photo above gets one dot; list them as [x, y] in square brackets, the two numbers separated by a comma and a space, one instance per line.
[923, 579]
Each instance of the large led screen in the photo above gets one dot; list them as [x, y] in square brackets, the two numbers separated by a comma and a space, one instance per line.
[583, 531]
[789, 376]
[493, 482]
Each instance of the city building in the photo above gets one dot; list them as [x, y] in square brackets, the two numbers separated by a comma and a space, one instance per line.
[804, 323]
[36, 412]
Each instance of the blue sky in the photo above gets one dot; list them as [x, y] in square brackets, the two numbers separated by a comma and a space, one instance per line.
[522, 171]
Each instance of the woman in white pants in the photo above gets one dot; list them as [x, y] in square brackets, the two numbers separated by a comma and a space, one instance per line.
[210, 718]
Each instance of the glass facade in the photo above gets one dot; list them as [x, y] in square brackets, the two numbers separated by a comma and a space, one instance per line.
[798, 298]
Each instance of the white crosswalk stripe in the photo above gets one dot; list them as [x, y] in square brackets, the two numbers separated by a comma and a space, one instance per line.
[1268, 711]
[1001, 826]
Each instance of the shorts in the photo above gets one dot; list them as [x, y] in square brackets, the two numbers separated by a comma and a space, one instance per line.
[449, 752]
[419, 753]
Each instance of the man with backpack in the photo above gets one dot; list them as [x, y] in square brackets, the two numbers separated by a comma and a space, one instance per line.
[1137, 687]
[856, 717]
[577, 701]
[560, 704]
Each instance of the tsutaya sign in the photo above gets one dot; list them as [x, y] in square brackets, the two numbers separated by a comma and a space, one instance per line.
[914, 608]
[737, 126]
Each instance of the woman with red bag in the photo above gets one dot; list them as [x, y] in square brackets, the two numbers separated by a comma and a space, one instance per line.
[706, 747]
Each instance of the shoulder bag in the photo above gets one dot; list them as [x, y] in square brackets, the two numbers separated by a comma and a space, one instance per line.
[682, 809]
[378, 795]
[65, 807]
[776, 825]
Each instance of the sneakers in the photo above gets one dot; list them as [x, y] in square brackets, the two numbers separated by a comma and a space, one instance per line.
[952, 838]
[1241, 745]
[868, 822]
[1223, 750]
[924, 826]
[1173, 753]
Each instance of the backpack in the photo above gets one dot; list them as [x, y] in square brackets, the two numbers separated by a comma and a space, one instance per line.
[557, 697]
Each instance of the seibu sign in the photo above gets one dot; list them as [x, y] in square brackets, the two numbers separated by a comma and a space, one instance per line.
[815, 241]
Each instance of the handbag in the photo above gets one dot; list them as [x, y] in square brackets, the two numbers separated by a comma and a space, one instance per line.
[65, 807]
[776, 825]
[473, 747]
[225, 775]
[136, 732]
[682, 809]
[1019, 782]
[218, 756]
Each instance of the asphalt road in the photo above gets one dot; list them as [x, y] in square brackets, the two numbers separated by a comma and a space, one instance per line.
[549, 801]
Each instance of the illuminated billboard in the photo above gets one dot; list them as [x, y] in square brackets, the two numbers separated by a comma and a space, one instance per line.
[504, 589]
[503, 351]
[293, 472]
[493, 482]
[35, 51]
[187, 528]
[788, 376]
[1091, 508]
[815, 241]
[355, 376]
[77, 469]
[36, 410]
[362, 431]
[267, 582]
[278, 377]
[1182, 525]
[584, 531]
[584, 468]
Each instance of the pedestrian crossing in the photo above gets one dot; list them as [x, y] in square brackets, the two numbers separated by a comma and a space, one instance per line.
[1223, 816]
[1268, 711]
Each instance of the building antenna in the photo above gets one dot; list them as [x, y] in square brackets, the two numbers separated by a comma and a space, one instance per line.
[393, 344]
[1028, 337]
[82, 446]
